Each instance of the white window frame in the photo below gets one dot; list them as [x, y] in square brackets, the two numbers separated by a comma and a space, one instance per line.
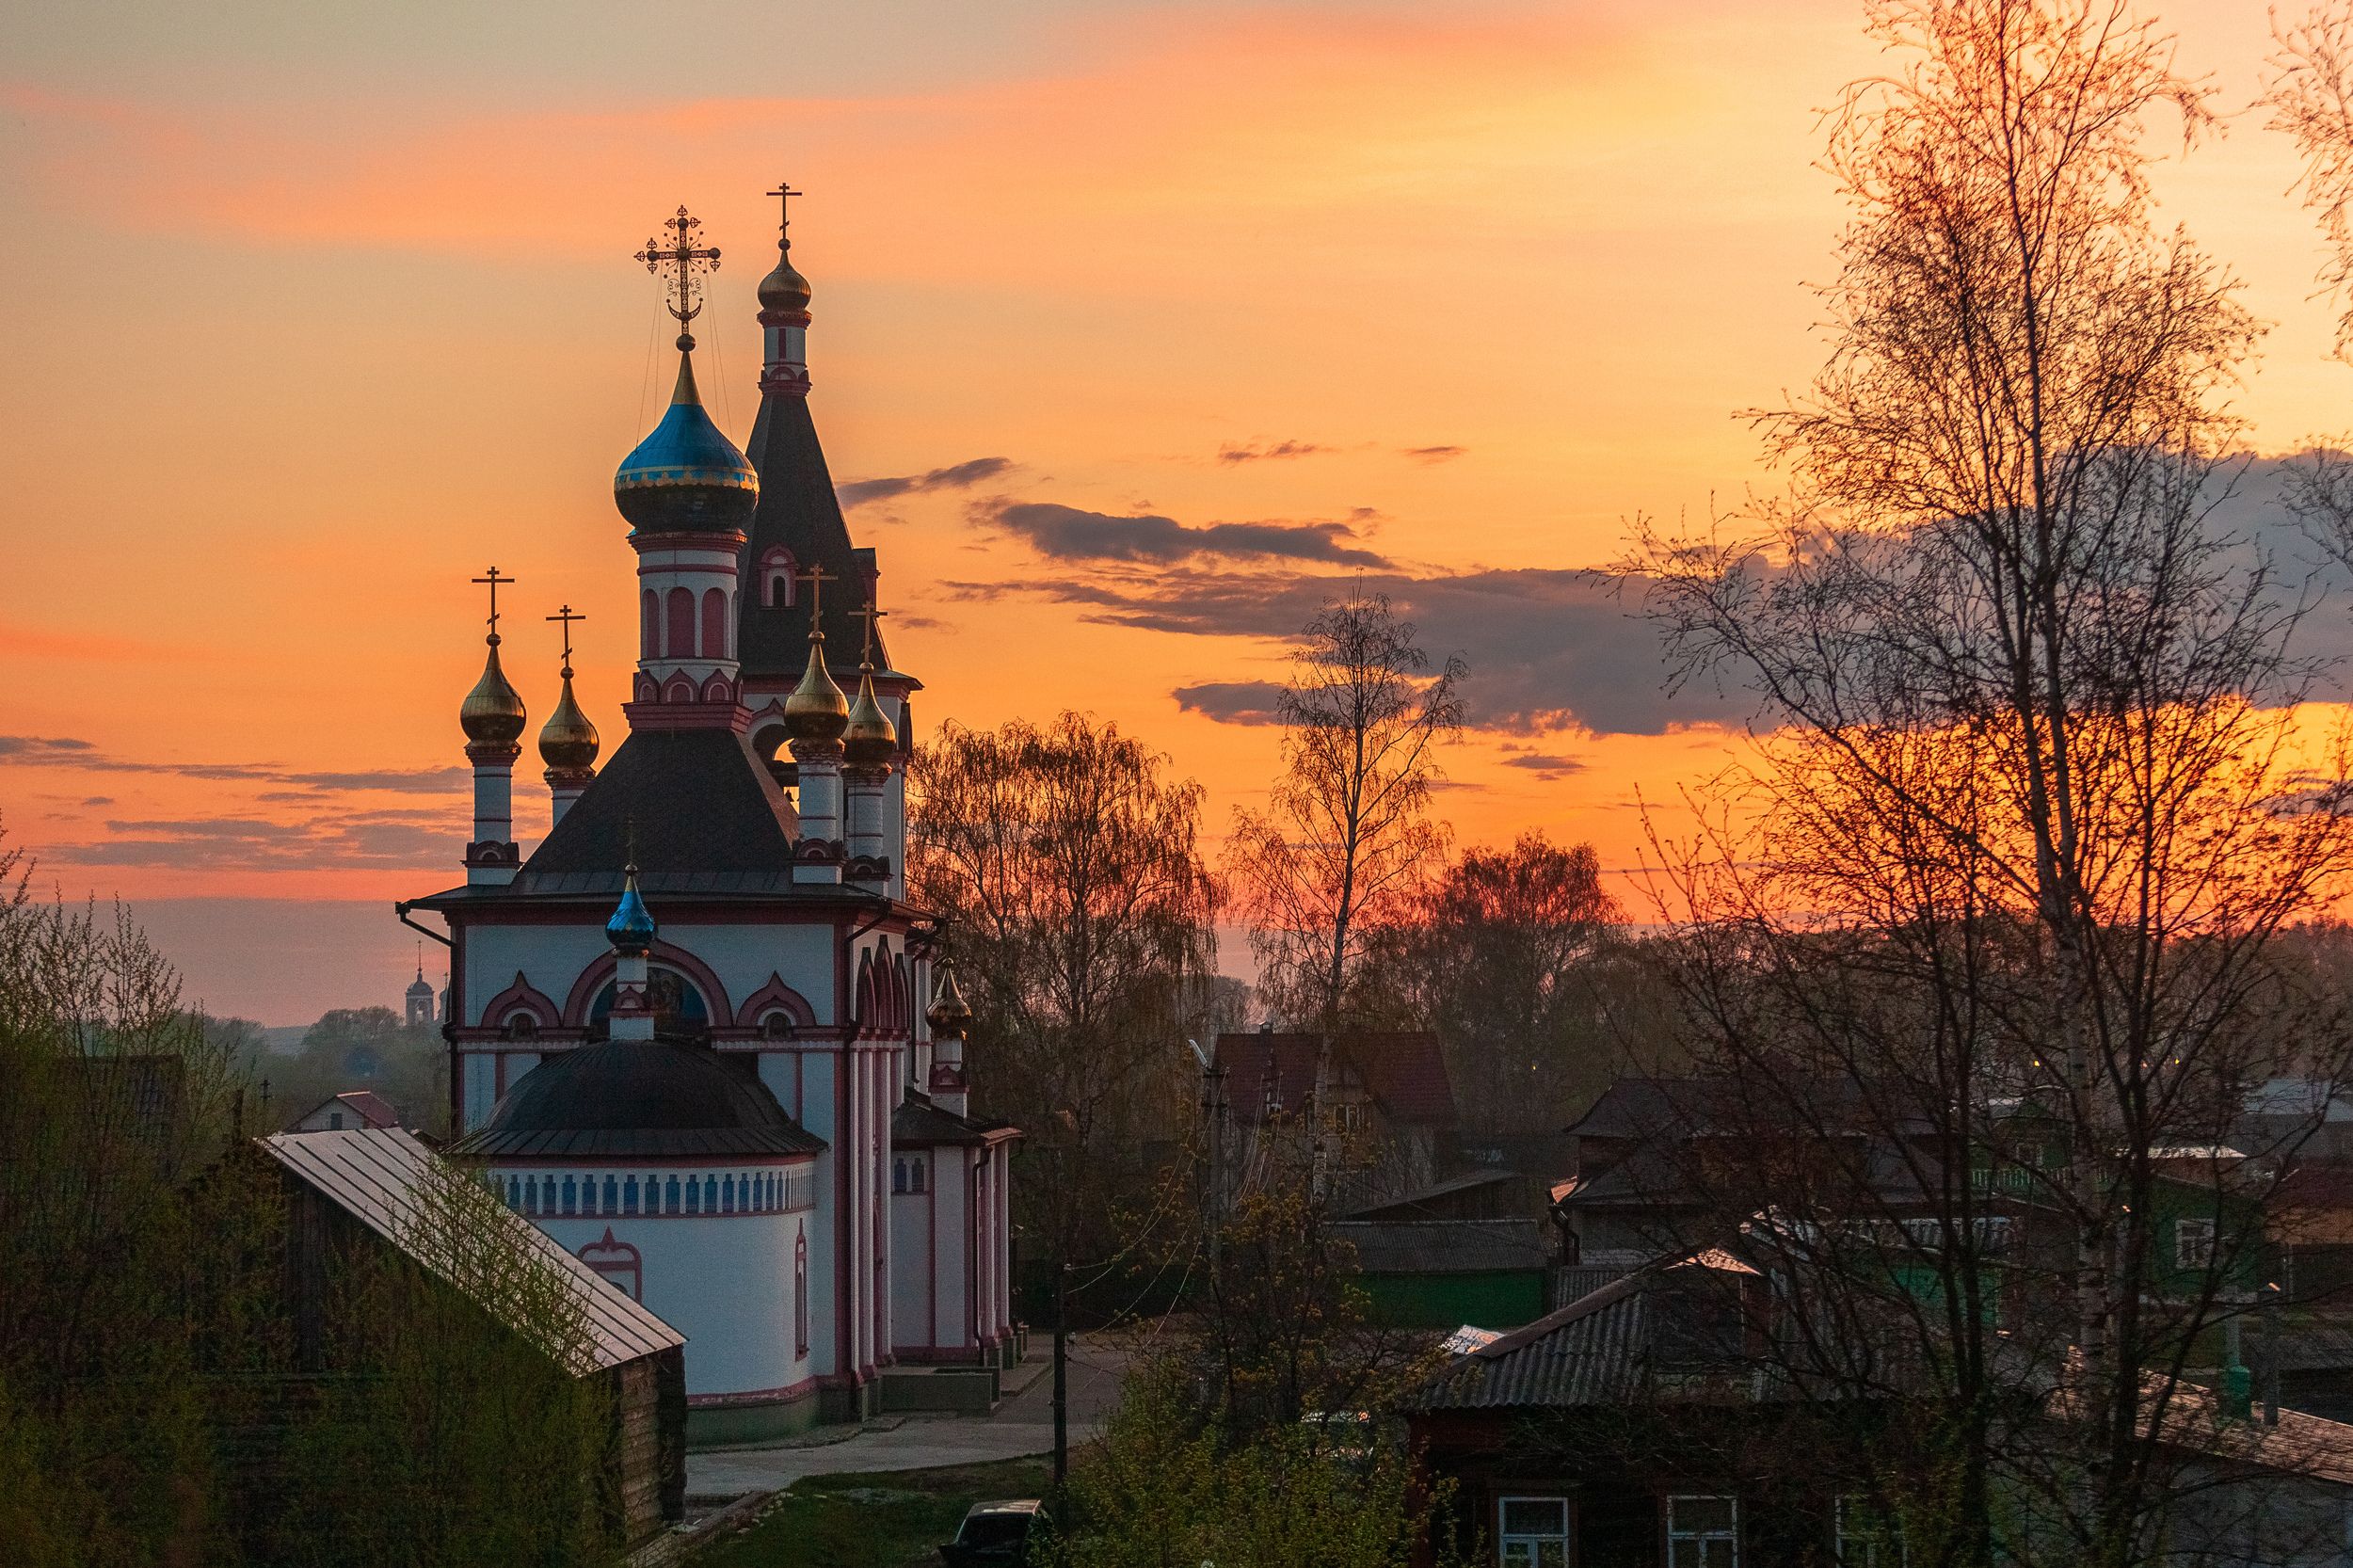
[1865, 1553]
[1531, 1547]
[1699, 1538]
[2199, 1254]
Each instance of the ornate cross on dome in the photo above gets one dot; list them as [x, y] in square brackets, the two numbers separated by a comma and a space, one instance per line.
[784, 193]
[568, 616]
[870, 616]
[686, 263]
[494, 580]
[816, 577]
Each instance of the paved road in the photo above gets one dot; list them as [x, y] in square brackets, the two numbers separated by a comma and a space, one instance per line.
[1023, 1424]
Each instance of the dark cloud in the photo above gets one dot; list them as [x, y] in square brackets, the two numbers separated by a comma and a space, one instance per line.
[398, 839]
[955, 477]
[44, 748]
[1547, 647]
[1233, 701]
[1070, 534]
[1432, 453]
[1544, 766]
[1236, 452]
[98, 800]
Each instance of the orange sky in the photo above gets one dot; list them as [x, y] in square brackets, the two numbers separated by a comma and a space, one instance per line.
[318, 312]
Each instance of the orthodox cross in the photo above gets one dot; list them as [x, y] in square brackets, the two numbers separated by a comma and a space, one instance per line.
[494, 580]
[568, 616]
[816, 577]
[870, 616]
[686, 261]
[784, 193]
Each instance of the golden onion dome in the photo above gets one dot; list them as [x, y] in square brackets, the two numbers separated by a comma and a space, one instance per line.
[869, 738]
[816, 710]
[568, 742]
[784, 289]
[492, 713]
[948, 1014]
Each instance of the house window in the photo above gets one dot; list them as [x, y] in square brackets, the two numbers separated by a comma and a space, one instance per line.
[1703, 1532]
[334, 1121]
[1532, 1533]
[1867, 1537]
[2193, 1244]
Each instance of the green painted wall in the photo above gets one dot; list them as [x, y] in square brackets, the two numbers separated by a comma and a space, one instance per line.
[1496, 1297]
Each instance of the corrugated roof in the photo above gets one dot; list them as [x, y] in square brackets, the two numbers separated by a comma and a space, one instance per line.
[1586, 1353]
[375, 1176]
[1443, 1246]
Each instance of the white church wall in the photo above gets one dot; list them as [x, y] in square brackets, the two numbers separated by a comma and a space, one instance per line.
[724, 1282]
[912, 1260]
[743, 956]
[478, 1082]
[951, 1202]
[551, 958]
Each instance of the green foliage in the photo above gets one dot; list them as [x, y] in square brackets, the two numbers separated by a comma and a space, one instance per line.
[1162, 1491]
[873, 1521]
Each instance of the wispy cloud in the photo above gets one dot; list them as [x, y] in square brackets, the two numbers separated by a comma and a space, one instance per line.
[1073, 534]
[955, 477]
[70, 752]
[1433, 454]
[1544, 765]
[1237, 452]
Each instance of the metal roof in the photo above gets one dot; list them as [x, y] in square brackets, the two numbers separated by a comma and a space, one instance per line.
[1586, 1353]
[375, 1176]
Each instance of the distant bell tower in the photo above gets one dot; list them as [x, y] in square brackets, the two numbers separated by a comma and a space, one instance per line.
[420, 996]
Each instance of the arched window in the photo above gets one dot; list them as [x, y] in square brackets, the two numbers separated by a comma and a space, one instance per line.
[629, 1197]
[522, 1026]
[679, 639]
[572, 1195]
[800, 1290]
[669, 1201]
[778, 585]
[612, 1195]
[649, 626]
[715, 624]
[899, 1175]
[777, 1025]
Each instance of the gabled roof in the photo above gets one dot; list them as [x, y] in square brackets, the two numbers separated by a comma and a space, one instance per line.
[381, 1179]
[1403, 1071]
[372, 1109]
[674, 801]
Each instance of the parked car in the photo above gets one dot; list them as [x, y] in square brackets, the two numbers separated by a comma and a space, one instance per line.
[995, 1534]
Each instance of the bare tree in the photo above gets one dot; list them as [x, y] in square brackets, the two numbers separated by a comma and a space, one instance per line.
[1346, 839]
[2310, 93]
[2032, 806]
[1078, 906]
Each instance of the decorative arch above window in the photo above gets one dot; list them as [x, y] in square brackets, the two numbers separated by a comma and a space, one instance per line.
[680, 690]
[620, 1264]
[717, 690]
[599, 974]
[775, 996]
[521, 1000]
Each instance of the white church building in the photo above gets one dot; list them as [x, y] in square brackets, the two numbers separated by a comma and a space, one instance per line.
[697, 1034]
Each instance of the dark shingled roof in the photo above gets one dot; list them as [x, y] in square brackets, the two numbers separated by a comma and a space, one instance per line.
[799, 510]
[919, 1122]
[627, 1098]
[677, 801]
[1404, 1072]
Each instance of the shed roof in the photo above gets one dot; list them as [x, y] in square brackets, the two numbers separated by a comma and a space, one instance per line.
[378, 1177]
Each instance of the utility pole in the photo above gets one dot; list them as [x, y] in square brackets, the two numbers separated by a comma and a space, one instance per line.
[1061, 1383]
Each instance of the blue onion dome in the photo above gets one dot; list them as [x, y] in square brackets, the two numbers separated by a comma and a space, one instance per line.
[492, 713]
[686, 478]
[632, 928]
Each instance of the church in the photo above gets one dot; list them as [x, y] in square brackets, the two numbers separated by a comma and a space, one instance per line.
[698, 1035]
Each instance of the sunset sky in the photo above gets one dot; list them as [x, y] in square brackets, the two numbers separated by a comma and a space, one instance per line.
[318, 309]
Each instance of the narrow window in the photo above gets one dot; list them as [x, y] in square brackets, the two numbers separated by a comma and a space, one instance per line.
[715, 624]
[612, 1195]
[711, 1194]
[629, 1197]
[915, 1172]
[800, 1291]
[669, 1203]
[571, 1196]
[898, 1176]
[681, 633]
[649, 628]
[726, 1195]
[1532, 1533]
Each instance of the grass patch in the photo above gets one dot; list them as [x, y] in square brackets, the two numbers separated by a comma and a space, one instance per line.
[887, 1520]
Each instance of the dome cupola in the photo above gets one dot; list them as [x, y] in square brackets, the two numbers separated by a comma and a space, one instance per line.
[632, 928]
[685, 477]
[492, 713]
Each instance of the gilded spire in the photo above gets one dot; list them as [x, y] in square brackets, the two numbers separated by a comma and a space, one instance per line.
[492, 713]
[869, 738]
[816, 710]
[568, 742]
